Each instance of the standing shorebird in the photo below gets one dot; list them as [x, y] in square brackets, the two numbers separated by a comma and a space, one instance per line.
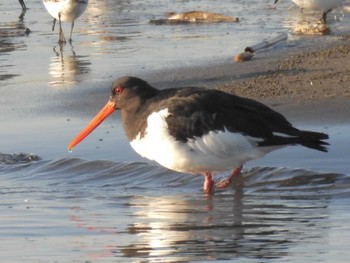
[325, 5]
[65, 10]
[198, 131]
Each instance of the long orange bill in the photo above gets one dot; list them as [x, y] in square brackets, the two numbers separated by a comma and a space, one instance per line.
[107, 110]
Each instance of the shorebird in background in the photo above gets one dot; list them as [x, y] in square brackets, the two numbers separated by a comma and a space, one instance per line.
[198, 131]
[65, 10]
[325, 5]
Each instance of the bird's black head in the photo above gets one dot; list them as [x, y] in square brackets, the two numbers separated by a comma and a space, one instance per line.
[129, 90]
[128, 95]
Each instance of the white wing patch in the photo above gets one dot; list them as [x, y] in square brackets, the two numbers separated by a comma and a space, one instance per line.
[215, 151]
[282, 135]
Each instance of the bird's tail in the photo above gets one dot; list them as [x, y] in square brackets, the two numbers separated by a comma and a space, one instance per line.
[314, 140]
[309, 139]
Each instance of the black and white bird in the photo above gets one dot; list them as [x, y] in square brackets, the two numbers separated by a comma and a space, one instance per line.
[198, 131]
[324, 5]
[65, 10]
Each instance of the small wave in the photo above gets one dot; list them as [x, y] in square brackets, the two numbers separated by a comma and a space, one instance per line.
[139, 176]
[6, 159]
[296, 183]
[158, 213]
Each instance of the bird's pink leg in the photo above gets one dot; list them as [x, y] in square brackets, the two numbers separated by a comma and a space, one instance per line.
[208, 185]
[226, 182]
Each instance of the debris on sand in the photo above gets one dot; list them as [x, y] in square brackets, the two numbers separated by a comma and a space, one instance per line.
[194, 17]
[311, 28]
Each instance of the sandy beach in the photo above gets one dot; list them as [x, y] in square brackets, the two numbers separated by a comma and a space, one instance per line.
[305, 83]
[313, 81]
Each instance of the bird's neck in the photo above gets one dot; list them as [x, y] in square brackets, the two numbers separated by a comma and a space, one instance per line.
[134, 117]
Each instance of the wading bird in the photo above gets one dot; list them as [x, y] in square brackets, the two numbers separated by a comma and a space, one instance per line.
[65, 10]
[197, 130]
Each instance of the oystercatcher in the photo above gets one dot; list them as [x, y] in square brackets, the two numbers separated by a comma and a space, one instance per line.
[325, 5]
[65, 10]
[196, 130]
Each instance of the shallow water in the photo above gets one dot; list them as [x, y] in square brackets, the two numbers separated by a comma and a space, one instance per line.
[73, 209]
[115, 38]
[103, 202]
[78, 210]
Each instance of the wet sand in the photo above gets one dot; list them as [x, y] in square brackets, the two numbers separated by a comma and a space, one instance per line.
[306, 84]
[314, 83]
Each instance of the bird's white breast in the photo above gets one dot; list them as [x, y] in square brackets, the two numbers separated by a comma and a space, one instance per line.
[69, 9]
[215, 151]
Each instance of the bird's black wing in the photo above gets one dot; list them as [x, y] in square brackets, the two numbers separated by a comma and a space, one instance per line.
[195, 112]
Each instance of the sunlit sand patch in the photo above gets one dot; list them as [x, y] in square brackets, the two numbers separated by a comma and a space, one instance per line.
[311, 28]
[194, 17]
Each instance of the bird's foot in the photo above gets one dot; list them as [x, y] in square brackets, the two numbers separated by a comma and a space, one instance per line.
[61, 40]
[21, 16]
[227, 181]
[223, 183]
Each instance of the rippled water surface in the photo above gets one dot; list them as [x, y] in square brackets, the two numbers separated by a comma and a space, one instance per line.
[103, 202]
[73, 209]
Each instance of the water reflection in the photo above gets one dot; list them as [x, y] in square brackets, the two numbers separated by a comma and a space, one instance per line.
[304, 21]
[66, 66]
[10, 33]
[270, 213]
[178, 229]
[137, 212]
[224, 226]
[112, 27]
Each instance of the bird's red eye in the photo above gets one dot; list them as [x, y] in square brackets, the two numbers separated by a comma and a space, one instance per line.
[118, 90]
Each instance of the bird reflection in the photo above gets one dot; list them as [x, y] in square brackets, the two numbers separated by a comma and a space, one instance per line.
[267, 212]
[66, 67]
[223, 226]
[10, 32]
[208, 227]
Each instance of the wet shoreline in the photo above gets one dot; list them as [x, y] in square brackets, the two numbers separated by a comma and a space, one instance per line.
[309, 83]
